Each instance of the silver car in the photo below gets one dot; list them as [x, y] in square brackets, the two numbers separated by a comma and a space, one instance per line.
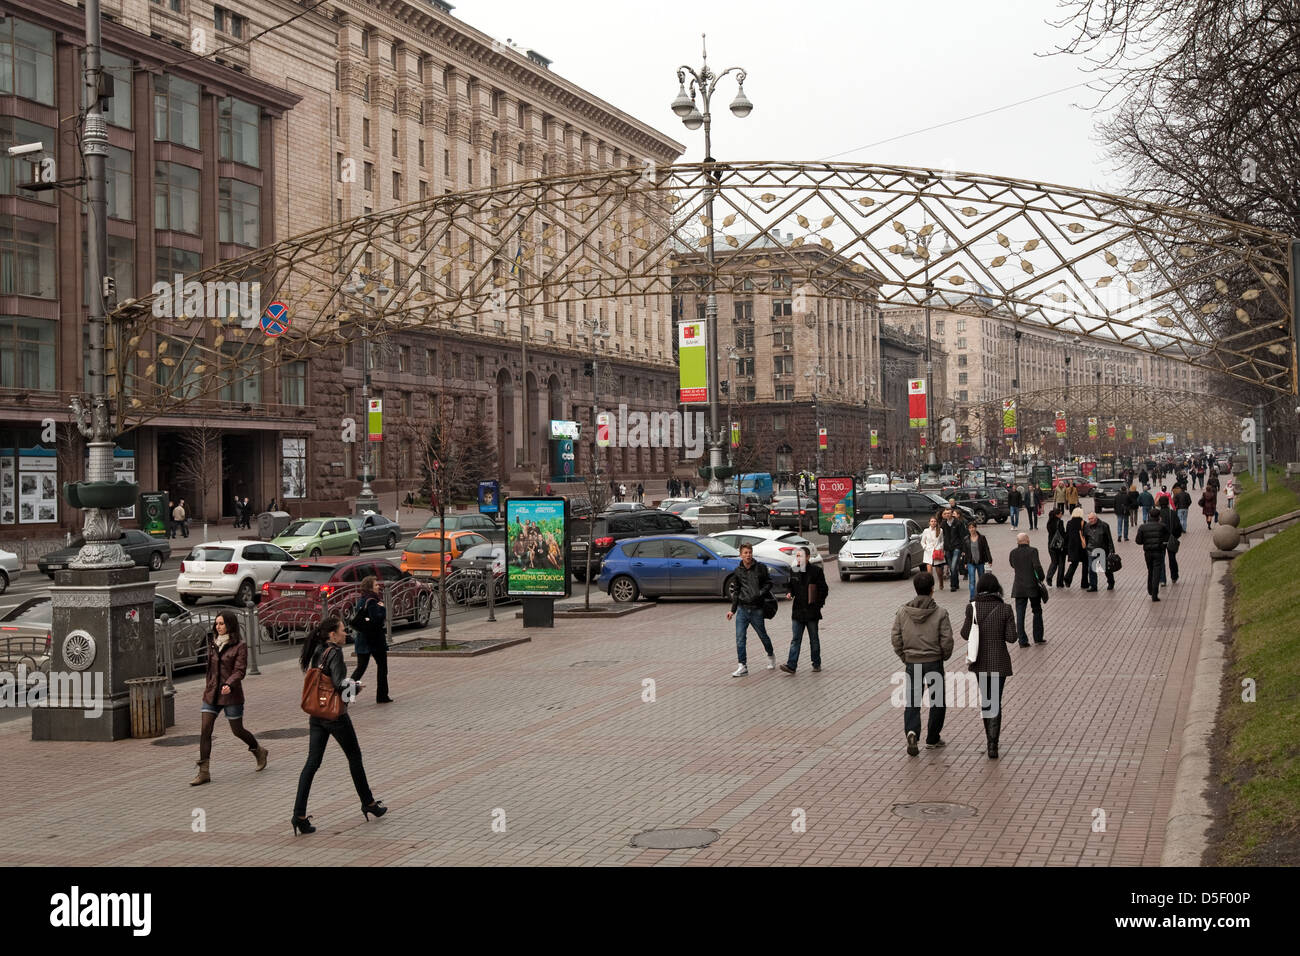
[10, 569]
[882, 546]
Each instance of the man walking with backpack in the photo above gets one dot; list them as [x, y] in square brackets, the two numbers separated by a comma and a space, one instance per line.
[922, 639]
[751, 588]
[809, 591]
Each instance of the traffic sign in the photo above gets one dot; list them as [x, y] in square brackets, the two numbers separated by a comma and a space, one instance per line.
[275, 320]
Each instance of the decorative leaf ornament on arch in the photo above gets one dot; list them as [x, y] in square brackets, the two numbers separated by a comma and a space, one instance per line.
[1114, 271]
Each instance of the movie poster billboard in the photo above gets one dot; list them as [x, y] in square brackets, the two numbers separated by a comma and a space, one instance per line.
[835, 505]
[537, 547]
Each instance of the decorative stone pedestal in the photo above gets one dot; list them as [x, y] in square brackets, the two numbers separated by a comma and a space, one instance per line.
[715, 519]
[102, 632]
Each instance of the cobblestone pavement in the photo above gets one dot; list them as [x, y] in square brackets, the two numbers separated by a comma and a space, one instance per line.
[554, 738]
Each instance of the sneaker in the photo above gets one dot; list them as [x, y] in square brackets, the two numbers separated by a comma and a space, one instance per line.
[912, 749]
[741, 671]
[936, 745]
[817, 668]
[771, 662]
[787, 668]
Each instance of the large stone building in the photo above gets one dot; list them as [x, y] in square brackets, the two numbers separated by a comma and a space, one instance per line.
[215, 155]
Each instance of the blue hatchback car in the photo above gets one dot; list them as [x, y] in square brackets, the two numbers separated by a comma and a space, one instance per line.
[675, 565]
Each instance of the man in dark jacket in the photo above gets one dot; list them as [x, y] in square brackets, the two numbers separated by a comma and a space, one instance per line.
[1099, 539]
[1029, 571]
[1153, 535]
[1132, 501]
[954, 535]
[1182, 504]
[922, 638]
[1015, 500]
[1171, 548]
[1076, 549]
[750, 585]
[809, 591]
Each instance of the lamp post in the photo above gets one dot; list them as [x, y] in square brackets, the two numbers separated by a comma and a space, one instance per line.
[713, 516]
[595, 332]
[921, 238]
[361, 293]
[817, 374]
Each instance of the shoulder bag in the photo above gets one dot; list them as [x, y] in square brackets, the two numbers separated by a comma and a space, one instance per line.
[1058, 541]
[320, 698]
[1113, 562]
[1172, 546]
[973, 642]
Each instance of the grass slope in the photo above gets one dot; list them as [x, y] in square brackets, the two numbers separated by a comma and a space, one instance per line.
[1254, 507]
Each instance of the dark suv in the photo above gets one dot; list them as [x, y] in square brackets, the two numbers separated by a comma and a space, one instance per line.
[1108, 493]
[916, 505]
[608, 528]
[988, 503]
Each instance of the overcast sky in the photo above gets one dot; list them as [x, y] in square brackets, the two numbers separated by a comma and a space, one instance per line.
[829, 77]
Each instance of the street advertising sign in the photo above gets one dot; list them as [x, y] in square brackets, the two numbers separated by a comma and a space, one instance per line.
[1009, 416]
[875, 438]
[735, 434]
[489, 497]
[1043, 478]
[563, 429]
[922, 439]
[916, 411]
[1087, 467]
[153, 514]
[375, 419]
[1155, 438]
[537, 547]
[1060, 424]
[835, 505]
[821, 437]
[602, 430]
[1092, 426]
[693, 368]
[1110, 429]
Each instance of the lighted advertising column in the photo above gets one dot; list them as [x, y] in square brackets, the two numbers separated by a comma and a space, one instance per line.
[835, 510]
[537, 555]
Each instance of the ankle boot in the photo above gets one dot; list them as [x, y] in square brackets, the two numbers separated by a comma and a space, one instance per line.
[202, 776]
[260, 753]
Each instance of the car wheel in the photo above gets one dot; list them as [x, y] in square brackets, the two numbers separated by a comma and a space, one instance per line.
[50, 575]
[247, 591]
[581, 576]
[907, 567]
[4, 582]
[843, 576]
[423, 610]
[356, 548]
[726, 585]
[155, 561]
[391, 543]
[1002, 520]
[315, 552]
[982, 516]
[189, 600]
[623, 589]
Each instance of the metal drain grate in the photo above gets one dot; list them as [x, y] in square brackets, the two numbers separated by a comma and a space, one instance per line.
[679, 838]
[191, 740]
[936, 812]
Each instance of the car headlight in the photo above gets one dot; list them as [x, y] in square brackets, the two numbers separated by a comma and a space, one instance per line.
[891, 554]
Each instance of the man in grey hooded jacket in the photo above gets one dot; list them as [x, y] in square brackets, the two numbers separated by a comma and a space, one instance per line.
[922, 637]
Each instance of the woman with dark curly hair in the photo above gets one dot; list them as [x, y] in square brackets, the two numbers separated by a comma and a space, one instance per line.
[224, 691]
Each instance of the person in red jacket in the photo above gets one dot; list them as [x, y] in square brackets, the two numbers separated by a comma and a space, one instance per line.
[224, 691]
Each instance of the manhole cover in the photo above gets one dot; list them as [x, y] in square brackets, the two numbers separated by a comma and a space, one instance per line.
[190, 740]
[592, 663]
[680, 838]
[933, 811]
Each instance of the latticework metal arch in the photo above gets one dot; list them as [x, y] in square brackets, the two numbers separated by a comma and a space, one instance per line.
[1114, 271]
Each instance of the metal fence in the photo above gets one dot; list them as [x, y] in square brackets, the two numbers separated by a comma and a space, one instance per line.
[30, 653]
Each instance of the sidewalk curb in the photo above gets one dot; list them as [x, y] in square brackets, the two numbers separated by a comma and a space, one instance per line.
[1190, 816]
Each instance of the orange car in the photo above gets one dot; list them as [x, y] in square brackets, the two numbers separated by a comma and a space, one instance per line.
[428, 553]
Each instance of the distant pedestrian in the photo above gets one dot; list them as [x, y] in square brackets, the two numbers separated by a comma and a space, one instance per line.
[171, 518]
[1131, 503]
[1058, 493]
[1230, 489]
[370, 637]
[978, 557]
[1028, 570]
[1146, 502]
[922, 639]
[1175, 535]
[809, 592]
[1209, 507]
[1153, 535]
[1144, 478]
[992, 663]
[1034, 505]
[223, 690]
[1072, 495]
[178, 516]
[932, 553]
[1101, 545]
[1056, 547]
[640, 491]
[1015, 500]
[954, 534]
[324, 649]
[1076, 547]
[751, 586]
[1182, 503]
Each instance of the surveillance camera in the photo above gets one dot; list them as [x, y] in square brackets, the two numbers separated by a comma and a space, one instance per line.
[26, 149]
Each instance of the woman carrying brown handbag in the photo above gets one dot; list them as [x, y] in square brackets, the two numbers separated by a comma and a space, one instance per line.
[323, 649]
[224, 691]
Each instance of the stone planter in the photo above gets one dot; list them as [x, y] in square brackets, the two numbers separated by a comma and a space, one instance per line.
[101, 494]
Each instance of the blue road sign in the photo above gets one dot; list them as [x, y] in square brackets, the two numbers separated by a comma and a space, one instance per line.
[275, 320]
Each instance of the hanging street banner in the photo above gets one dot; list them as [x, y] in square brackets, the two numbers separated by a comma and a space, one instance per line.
[1092, 427]
[1009, 416]
[375, 419]
[916, 411]
[1156, 438]
[1110, 430]
[875, 438]
[693, 368]
[835, 505]
[1060, 424]
[1128, 432]
[922, 439]
[735, 434]
[602, 429]
[821, 438]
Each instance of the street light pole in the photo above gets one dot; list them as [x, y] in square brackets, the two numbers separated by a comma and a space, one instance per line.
[706, 81]
[366, 500]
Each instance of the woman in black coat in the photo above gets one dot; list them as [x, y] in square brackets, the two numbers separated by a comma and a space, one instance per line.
[992, 664]
[371, 636]
[1076, 547]
[1056, 523]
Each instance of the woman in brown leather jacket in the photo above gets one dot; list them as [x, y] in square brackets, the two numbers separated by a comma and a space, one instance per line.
[324, 649]
[992, 664]
[224, 691]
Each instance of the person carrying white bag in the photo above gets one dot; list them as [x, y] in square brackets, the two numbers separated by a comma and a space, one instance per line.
[989, 627]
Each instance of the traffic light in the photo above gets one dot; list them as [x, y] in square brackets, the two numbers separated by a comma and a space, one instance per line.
[588, 368]
[724, 386]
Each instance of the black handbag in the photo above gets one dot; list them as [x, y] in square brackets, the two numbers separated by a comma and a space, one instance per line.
[1043, 593]
[1113, 562]
[1058, 541]
[1172, 547]
[769, 605]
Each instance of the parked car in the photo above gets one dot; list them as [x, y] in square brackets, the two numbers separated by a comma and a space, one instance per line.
[602, 531]
[376, 531]
[231, 570]
[1083, 484]
[1108, 493]
[144, 550]
[10, 569]
[675, 504]
[987, 503]
[481, 524]
[625, 506]
[429, 552]
[791, 512]
[314, 537]
[291, 601]
[882, 546]
[772, 546]
[692, 516]
[879, 481]
[675, 565]
[905, 504]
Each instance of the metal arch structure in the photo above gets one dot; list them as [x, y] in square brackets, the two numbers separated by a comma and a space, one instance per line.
[1114, 271]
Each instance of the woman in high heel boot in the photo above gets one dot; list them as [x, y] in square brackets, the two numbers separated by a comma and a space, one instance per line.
[992, 664]
[324, 649]
[224, 691]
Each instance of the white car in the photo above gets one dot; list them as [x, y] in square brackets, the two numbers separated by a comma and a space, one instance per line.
[771, 545]
[10, 569]
[877, 482]
[882, 546]
[229, 569]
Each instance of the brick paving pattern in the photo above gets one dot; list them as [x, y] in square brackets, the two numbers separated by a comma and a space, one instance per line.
[556, 735]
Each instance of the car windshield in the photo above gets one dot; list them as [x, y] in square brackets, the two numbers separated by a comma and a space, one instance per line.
[298, 574]
[722, 549]
[211, 554]
[877, 532]
[786, 502]
[936, 499]
[301, 529]
[452, 523]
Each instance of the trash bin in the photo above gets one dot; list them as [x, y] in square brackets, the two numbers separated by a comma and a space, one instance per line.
[147, 712]
[271, 523]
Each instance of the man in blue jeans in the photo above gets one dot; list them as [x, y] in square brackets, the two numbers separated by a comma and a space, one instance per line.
[809, 591]
[922, 639]
[749, 586]
[954, 534]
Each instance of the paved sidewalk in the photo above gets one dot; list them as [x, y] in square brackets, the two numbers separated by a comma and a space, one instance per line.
[556, 736]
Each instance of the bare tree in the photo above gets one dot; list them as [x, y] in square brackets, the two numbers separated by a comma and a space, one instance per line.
[201, 465]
